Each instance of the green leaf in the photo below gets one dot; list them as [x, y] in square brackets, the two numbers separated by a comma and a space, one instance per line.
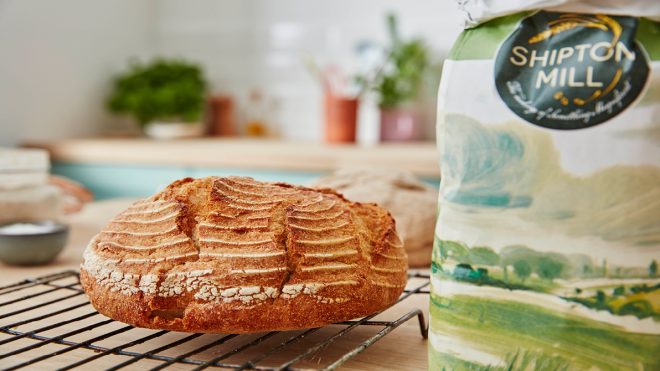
[408, 61]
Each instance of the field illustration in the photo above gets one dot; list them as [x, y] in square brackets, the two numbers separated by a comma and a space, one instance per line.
[560, 312]
[575, 278]
[543, 339]
[538, 267]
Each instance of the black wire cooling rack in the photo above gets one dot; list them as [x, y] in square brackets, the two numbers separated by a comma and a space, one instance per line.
[48, 323]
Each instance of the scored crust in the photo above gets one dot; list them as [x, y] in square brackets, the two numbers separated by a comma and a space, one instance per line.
[236, 255]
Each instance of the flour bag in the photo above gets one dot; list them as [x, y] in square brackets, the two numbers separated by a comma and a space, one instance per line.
[548, 237]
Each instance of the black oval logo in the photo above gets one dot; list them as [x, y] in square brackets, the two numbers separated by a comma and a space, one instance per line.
[571, 71]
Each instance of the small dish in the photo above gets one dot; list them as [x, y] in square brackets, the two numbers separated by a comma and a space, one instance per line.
[32, 243]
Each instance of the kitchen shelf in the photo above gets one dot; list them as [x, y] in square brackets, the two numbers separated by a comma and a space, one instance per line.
[419, 158]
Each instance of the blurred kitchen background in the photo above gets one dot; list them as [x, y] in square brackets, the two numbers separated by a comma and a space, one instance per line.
[58, 59]
[113, 100]
[271, 69]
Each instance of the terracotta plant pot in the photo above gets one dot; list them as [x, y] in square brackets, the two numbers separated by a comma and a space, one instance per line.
[340, 118]
[221, 116]
[399, 125]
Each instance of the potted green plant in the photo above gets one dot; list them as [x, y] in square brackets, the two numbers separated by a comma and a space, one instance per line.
[398, 86]
[165, 97]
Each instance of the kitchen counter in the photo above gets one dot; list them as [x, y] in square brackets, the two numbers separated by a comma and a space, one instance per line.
[138, 167]
[403, 349]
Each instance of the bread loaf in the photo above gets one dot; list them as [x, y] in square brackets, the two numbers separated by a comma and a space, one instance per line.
[236, 255]
[411, 202]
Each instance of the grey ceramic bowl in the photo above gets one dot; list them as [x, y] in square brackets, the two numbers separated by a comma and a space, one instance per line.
[32, 247]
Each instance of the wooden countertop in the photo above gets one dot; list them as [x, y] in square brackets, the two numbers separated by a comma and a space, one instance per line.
[419, 158]
[403, 349]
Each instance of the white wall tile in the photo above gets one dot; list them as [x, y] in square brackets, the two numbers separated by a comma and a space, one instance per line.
[57, 59]
[259, 43]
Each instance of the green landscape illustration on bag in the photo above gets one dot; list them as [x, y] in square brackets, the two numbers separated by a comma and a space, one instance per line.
[558, 299]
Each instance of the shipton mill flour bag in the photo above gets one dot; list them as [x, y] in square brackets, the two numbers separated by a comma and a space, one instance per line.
[548, 237]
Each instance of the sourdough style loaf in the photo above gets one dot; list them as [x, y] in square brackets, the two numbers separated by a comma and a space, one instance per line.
[411, 202]
[236, 255]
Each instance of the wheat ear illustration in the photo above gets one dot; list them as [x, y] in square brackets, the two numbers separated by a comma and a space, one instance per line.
[568, 23]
